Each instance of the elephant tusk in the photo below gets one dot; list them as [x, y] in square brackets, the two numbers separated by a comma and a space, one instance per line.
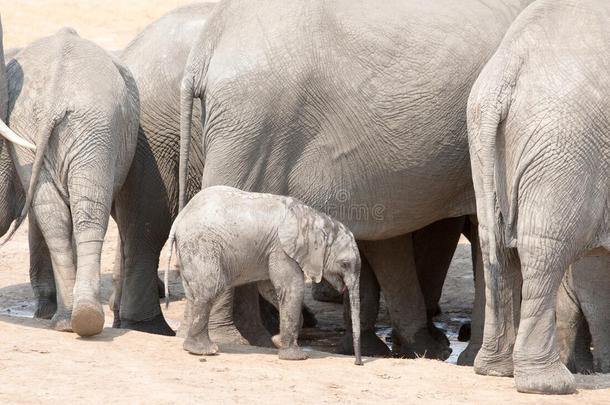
[11, 136]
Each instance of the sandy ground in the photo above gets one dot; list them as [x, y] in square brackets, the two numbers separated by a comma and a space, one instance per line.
[38, 365]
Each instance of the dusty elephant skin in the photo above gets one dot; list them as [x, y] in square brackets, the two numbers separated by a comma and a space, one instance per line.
[354, 108]
[583, 306]
[226, 237]
[80, 108]
[539, 122]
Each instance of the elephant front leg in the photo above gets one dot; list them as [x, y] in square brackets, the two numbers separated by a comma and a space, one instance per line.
[393, 262]
[41, 272]
[287, 278]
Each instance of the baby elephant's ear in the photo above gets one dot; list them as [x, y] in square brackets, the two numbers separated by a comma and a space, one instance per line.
[302, 238]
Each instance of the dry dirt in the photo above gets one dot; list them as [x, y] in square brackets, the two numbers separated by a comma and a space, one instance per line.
[38, 365]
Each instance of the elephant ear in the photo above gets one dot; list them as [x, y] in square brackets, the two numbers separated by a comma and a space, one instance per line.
[303, 238]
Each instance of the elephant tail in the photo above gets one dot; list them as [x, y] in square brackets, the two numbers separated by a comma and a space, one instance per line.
[170, 248]
[43, 140]
[487, 109]
[186, 118]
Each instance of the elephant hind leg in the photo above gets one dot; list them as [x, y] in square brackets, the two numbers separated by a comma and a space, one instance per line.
[55, 225]
[573, 337]
[203, 283]
[90, 203]
[538, 368]
[41, 272]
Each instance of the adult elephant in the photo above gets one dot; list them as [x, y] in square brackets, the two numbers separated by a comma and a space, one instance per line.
[582, 316]
[539, 126]
[80, 107]
[354, 107]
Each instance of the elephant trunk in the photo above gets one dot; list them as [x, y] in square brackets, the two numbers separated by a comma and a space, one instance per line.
[354, 300]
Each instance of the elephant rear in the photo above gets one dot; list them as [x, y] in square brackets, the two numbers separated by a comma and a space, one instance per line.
[80, 107]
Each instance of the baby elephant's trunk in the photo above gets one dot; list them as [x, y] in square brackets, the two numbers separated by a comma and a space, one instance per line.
[354, 300]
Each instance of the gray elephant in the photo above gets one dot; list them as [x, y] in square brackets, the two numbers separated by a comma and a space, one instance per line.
[80, 107]
[354, 126]
[539, 124]
[582, 316]
[226, 237]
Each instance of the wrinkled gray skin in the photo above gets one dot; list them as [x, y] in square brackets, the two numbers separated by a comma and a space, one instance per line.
[80, 107]
[355, 108]
[226, 237]
[582, 316]
[148, 201]
[539, 124]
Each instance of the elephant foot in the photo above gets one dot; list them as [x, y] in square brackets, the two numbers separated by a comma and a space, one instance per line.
[62, 322]
[155, 326]
[553, 378]
[87, 318]
[370, 343]
[292, 353]
[324, 292]
[227, 335]
[309, 318]
[200, 346]
[466, 358]
[45, 308]
[423, 345]
[465, 332]
[494, 364]
[438, 334]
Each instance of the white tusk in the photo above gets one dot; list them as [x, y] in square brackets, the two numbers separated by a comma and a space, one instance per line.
[11, 136]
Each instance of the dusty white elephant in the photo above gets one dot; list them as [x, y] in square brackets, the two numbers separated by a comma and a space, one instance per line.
[227, 237]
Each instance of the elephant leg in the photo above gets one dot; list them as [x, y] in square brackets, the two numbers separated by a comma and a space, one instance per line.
[221, 326]
[573, 337]
[495, 356]
[56, 227]
[90, 203]
[371, 344]
[117, 285]
[589, 275]
[471, 231]
[41, 272]
[537, 365]
[434, 247]
[290, 286]
[247, 316]
[144, 222]
[393, 262]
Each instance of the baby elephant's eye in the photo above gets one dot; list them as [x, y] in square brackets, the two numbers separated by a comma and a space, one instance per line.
[345, 264]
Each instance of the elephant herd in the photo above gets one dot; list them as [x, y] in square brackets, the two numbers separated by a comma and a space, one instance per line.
[410, 122]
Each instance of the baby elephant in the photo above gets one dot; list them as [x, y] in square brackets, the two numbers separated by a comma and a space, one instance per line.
[226, 237]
